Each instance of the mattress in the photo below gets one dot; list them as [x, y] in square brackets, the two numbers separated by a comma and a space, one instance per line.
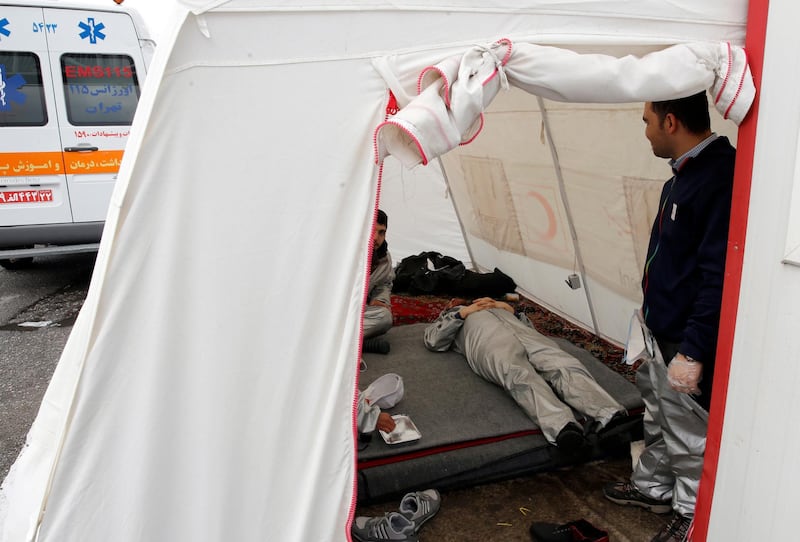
[471, 431]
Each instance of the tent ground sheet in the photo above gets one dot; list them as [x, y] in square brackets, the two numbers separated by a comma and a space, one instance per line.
[471, 430]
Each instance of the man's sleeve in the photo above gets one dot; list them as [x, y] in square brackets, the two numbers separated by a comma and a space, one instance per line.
[440, 334]
[383, 280]
[700, 334]
[367, 415]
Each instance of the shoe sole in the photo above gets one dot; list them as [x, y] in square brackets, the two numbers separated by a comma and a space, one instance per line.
[655, 508]
[411, 538]
[418, 525]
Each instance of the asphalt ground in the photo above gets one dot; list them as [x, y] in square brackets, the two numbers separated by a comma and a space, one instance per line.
[37, 309]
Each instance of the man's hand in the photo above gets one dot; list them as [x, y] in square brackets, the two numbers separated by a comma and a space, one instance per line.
[379, 303]
[477, 305]
[385, 423]
[684, 374]
[482, 304]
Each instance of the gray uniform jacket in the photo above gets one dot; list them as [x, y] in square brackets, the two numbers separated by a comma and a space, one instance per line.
[378, 320]
[381, 280]
[366, 415]
[544, 380]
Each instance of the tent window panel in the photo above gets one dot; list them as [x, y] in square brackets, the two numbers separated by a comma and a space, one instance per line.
[21, 91]
[494, 218]
[641, 197]
[542, 217]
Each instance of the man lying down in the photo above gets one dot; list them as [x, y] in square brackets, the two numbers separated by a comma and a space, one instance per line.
[540, 377]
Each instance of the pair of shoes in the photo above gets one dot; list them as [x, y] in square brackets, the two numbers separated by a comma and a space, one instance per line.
[416, 508]
[393, 526]
[376, 345]
[574, 531]
[625, 493]
[676, 530]
[571, 438]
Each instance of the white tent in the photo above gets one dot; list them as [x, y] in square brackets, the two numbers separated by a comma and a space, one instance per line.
[206, 392]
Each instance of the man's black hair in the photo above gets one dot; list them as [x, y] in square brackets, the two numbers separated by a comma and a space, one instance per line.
[383, 220]
[379, 253]
[691, 111]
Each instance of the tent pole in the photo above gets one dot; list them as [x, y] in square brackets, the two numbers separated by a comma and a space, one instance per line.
[565, 200]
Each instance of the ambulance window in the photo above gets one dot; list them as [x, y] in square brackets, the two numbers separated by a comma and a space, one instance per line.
[21, 92]
[100, 90]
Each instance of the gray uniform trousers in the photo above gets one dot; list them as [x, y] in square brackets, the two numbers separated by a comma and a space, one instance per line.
[544, 380]
[675, 439]
[377, 320]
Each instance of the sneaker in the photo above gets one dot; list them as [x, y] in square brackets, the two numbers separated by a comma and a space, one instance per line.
[420, 506]
[376, 345]
[625, 493]
[674, 531]
[569, 532]
[571, 438]
[392, 527]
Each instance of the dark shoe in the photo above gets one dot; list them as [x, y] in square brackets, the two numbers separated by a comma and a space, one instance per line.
[674, 531]
[571, 439]
[620, 424]
[376, 345]
[626, 494]
[574, 531]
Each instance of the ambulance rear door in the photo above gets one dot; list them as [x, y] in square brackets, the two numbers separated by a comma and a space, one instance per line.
[97, 67]
[32, 179]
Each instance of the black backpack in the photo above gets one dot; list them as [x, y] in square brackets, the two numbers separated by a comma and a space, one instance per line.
[431, 273]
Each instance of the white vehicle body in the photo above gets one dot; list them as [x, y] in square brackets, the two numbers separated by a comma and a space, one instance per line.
[70, 79]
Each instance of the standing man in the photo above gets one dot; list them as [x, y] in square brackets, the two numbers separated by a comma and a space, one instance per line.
[682, 286]
[378, 312]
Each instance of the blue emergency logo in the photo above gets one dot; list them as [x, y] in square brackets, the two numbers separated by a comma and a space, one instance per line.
[9, 89]
[3, 30]
[91, 30]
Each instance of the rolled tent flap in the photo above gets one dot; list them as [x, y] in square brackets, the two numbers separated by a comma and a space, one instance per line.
[449, 108]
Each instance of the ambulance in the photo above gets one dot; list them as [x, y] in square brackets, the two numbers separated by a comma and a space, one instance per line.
[70, 80]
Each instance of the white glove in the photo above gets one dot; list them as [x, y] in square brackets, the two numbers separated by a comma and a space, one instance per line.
[684, 375]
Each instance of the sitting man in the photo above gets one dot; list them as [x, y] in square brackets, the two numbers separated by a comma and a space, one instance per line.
[509, 352]
[378, 312]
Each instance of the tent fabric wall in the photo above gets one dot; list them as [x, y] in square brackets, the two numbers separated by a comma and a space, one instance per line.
[207, 389]
[418, 202]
